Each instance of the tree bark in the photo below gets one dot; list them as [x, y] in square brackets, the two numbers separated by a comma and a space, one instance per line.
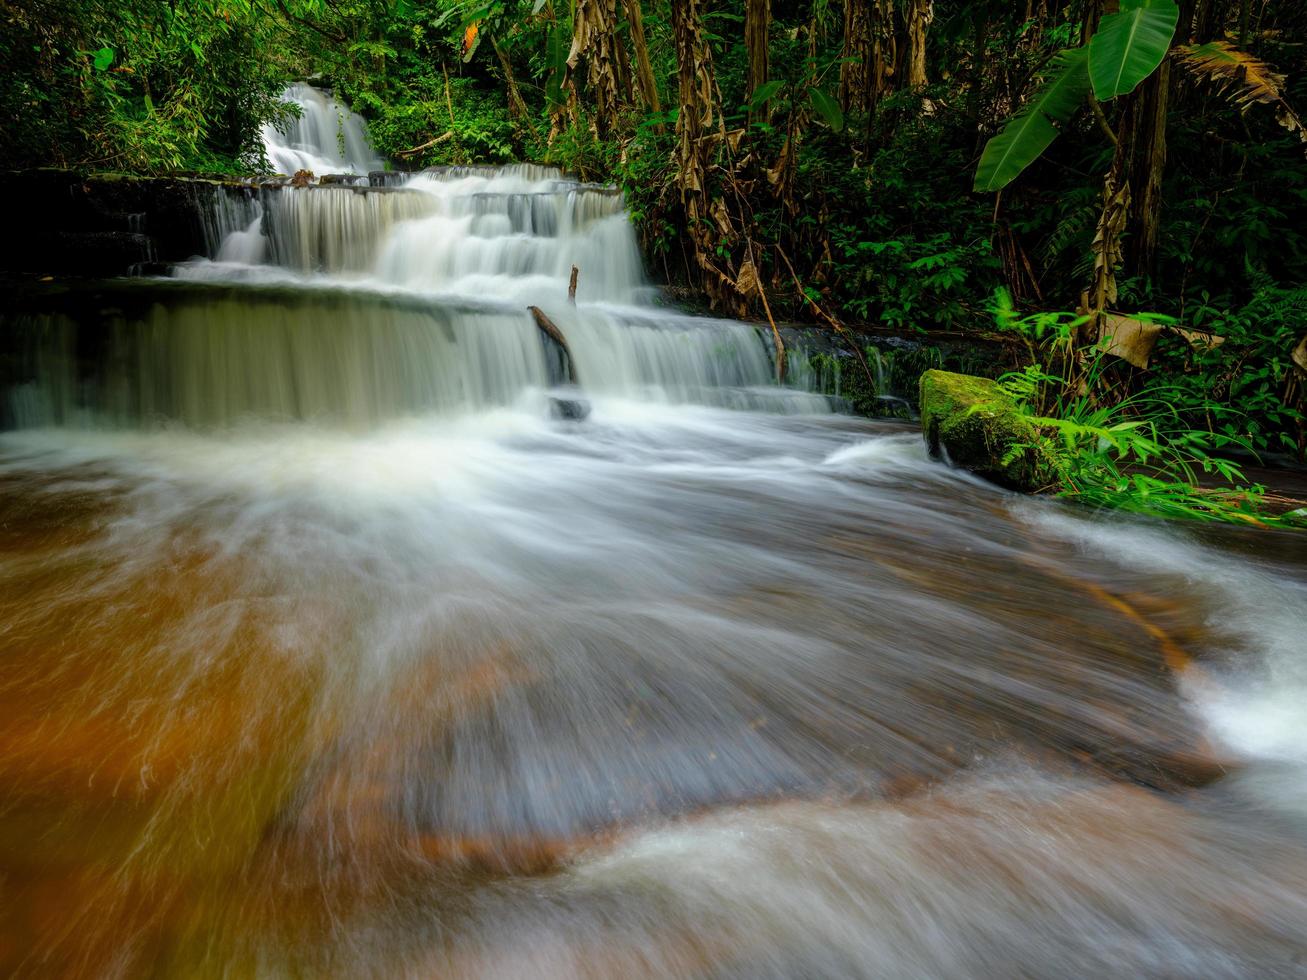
[884, 50]
[1142, 136]
[856, 70]
[920, 13]
[757, 22]
[695, 139]
[644, 70]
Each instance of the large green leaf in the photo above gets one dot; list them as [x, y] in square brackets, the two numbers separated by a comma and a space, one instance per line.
[827, 108]
[1128, 46]
[765, 92]
[556, 47]
[1029, 132]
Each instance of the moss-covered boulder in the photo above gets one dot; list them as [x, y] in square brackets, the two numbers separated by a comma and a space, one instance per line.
[976, 425]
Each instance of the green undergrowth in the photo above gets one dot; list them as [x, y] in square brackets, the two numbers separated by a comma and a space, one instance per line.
[1145, 446]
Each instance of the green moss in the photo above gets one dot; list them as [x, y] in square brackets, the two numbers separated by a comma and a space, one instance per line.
[980, 428]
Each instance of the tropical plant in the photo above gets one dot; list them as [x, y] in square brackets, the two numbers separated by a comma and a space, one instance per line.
[1127, 47]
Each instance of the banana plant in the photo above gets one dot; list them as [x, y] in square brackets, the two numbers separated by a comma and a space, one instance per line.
[1126, 49]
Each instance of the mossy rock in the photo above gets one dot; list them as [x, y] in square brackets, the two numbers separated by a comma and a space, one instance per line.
[977, 425]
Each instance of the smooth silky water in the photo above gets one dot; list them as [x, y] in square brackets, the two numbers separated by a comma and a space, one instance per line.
[329, 651]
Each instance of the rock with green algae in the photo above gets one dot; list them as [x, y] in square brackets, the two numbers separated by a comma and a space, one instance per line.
[977, 425]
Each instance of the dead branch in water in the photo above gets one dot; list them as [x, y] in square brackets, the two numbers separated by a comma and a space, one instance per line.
[550, 330]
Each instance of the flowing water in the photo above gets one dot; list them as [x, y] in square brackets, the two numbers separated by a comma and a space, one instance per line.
[330, 649]
[324, 138]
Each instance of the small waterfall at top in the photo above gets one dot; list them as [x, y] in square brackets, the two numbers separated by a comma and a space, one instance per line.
[327, 138]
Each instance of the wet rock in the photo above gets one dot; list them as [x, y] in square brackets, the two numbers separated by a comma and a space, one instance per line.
[570, 409]
[98, 253]
[103, 224]
[977, 425]
[387, 178]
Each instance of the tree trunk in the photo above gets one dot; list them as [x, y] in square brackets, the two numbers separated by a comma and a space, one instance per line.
[757, 21]
[920, 13]
[1142, 133]
[644, 70]
[1108, 256]
[884, 49]
[517, 110]
[856, 69]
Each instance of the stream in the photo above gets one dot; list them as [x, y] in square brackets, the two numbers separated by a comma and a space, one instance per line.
[343, 637]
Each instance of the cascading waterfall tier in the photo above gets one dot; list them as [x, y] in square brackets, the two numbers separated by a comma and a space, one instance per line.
[214, 356]
[452, 239]
[325, 138]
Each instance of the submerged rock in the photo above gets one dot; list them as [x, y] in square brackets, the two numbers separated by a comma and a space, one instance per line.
[569, 409]
[977, 425]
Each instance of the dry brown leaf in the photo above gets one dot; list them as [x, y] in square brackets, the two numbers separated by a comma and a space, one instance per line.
[747, 281]
[1244, 79]
[1127, 338]
[1199, 338]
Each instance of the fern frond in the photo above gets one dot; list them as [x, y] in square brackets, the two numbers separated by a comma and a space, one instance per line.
[1244, 79]
[1080, 210]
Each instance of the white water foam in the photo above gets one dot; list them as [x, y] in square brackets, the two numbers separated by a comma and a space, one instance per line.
[326, 138]
[1254, 699]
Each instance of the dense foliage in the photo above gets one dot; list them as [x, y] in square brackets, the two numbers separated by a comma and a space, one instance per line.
[892, 162]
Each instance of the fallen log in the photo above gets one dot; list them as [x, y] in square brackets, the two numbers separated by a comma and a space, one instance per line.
[550, 330]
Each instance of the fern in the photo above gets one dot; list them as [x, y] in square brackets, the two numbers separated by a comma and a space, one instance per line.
[1074, 226]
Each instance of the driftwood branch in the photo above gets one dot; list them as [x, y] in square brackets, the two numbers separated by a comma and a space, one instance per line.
[779, 344]
[571, 286]
[550, 330]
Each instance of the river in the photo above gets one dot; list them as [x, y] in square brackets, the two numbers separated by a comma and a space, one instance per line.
[335, 644]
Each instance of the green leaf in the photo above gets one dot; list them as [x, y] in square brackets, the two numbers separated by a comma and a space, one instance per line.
[1128, 46]
[765, 92]
[556, 50]
[1029, 132]
[103, 59]
[828, 108]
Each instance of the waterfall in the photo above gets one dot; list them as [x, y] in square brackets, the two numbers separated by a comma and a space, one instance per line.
[212, 357]
[399, 259]
[326, 137]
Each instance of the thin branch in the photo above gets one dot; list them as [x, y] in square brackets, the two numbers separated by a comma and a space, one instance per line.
[336, 36]
[1102, 120]
[835, 324]
[427, 145]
